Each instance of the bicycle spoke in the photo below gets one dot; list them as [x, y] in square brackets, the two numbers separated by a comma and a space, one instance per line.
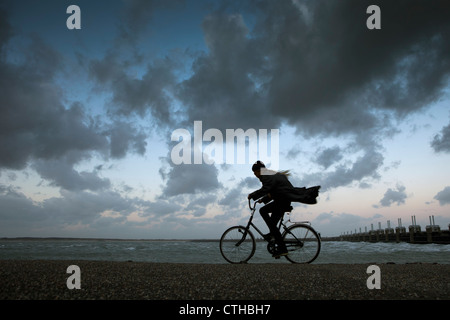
[237, 245]
[303, 244]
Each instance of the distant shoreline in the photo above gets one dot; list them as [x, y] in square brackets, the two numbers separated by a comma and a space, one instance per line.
[104, 239]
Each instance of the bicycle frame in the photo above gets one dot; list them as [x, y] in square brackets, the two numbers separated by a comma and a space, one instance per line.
[251, 224]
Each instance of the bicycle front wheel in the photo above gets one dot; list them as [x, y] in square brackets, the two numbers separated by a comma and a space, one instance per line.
[237, 244]
[302, 242]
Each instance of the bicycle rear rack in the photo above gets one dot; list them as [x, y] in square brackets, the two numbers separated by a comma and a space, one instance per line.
[300, 222]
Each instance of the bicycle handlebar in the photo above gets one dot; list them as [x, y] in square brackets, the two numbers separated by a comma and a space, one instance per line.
[254, 204]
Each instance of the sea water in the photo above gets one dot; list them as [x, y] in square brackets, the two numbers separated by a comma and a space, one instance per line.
[186, 251]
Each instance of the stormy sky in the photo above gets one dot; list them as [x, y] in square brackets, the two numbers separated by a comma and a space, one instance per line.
[87, 115]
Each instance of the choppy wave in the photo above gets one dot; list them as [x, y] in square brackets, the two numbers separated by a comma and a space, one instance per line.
[208, 251]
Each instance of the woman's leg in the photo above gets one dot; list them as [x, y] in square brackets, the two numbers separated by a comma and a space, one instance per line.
[277, 211]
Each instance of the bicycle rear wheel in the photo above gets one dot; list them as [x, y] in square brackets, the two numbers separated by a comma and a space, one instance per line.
[302, 242]
[237, 244]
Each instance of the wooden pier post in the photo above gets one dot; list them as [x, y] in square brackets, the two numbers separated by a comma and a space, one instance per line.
[413, 228]
[429, 230]
[411, 234]
[432, 228]
[399, 231]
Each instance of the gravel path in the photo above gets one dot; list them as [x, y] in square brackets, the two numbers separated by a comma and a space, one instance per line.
[43, 279]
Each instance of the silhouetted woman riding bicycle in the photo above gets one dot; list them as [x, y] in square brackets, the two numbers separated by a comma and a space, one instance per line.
[277, 193]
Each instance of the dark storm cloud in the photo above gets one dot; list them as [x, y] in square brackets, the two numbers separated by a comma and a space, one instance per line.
[234, 197]
[137, 95]
[60, 173]
[443, 196]
[346, 172]
[441, 141]
[137, 16]
[15, 206]
[324, 72]
[85, 207]
[329, 156]
[139, 83]
[193, 186]
[392, 196]
[74, 208]
[39, 129]
[161, 208]
[223, 90]
[5, 29]
[316, 66]
[34, 123]
[125, 138]
[336, 71]
[191, 179]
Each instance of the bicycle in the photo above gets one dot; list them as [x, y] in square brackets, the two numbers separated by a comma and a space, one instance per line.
[238, 244]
